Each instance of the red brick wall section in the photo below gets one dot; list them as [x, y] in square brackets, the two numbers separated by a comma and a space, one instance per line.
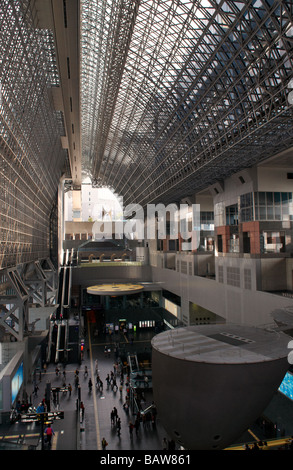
[254, 231]
[224, 230]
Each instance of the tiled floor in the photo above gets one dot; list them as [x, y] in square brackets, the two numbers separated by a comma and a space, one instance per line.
[99, 404]
[72, 433]
[96, 423]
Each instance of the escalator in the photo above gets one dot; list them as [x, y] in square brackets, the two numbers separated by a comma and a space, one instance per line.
[58, 333]
[73, 343]
[49, 344]
[60, 290]
[66, 294]
[60, 353]
[52, 342]
[64, 291]
[133, 363]
[74, 257]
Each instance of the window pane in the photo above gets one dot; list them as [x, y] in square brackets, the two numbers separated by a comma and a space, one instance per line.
[262, 213]
[277, 198]
[277, 213]
[270, 199]
[262, 198]
[270, 213]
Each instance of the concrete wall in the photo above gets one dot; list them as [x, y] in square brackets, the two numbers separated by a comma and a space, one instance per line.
[198, 402]
[273, 274]
[274, 179]
[87, 276]
[234, 304]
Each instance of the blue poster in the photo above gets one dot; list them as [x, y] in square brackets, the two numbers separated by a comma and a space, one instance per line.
[16, 383]
[286, 386]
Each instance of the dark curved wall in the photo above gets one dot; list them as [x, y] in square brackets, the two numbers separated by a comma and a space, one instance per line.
[207, 406]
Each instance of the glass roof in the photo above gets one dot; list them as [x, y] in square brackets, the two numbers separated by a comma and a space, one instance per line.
[177, 94]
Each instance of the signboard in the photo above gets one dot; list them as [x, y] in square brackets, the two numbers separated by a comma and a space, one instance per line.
[16, 383]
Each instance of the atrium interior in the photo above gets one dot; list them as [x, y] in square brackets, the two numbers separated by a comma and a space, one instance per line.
[146, 206]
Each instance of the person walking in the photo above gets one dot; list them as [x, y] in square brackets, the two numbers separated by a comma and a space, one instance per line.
[104, 443]
[90, 384]
[108, 381]
[164, 444]
[36, 388]
[97, 381]
[82, 408]
[118, 425]
[136, 425]
[76, 381]
[115, 414]
[49, 433]
[130, 426]
[144, 421]
[114, 384]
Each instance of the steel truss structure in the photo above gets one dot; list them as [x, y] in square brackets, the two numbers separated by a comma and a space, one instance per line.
[178, 94]
[20, 287]
[175, 95]
[31, 155]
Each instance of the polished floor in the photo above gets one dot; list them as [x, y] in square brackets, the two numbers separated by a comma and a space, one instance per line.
[86, 432]
[99, 404]
[96, 422]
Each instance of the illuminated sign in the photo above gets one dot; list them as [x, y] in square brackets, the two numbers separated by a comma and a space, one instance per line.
[172, 308]
[16, 383]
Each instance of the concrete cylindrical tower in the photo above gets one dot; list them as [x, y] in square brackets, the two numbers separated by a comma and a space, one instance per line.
[211, 382]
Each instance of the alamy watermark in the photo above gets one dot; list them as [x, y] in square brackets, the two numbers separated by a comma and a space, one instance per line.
[290, 96]
[157, 222]
[290, 355]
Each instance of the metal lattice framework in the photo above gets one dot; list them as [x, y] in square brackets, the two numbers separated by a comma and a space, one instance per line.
[179, 94]
[31, 156]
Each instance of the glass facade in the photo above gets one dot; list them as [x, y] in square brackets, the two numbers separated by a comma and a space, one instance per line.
[232, 215]
[273, 206]
[206, 220]
[256, 206]
[246, 207]
[182, 85]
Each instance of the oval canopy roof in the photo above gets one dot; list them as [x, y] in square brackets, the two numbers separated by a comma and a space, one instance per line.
[115, 289]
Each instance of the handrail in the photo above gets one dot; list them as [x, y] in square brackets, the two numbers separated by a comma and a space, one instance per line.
[69, 286]
[49, 342]
[149, 408]
[57, 343]
[66, 336]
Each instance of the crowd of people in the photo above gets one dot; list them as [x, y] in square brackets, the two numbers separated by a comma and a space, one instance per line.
[97, 379]
[117, 379]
